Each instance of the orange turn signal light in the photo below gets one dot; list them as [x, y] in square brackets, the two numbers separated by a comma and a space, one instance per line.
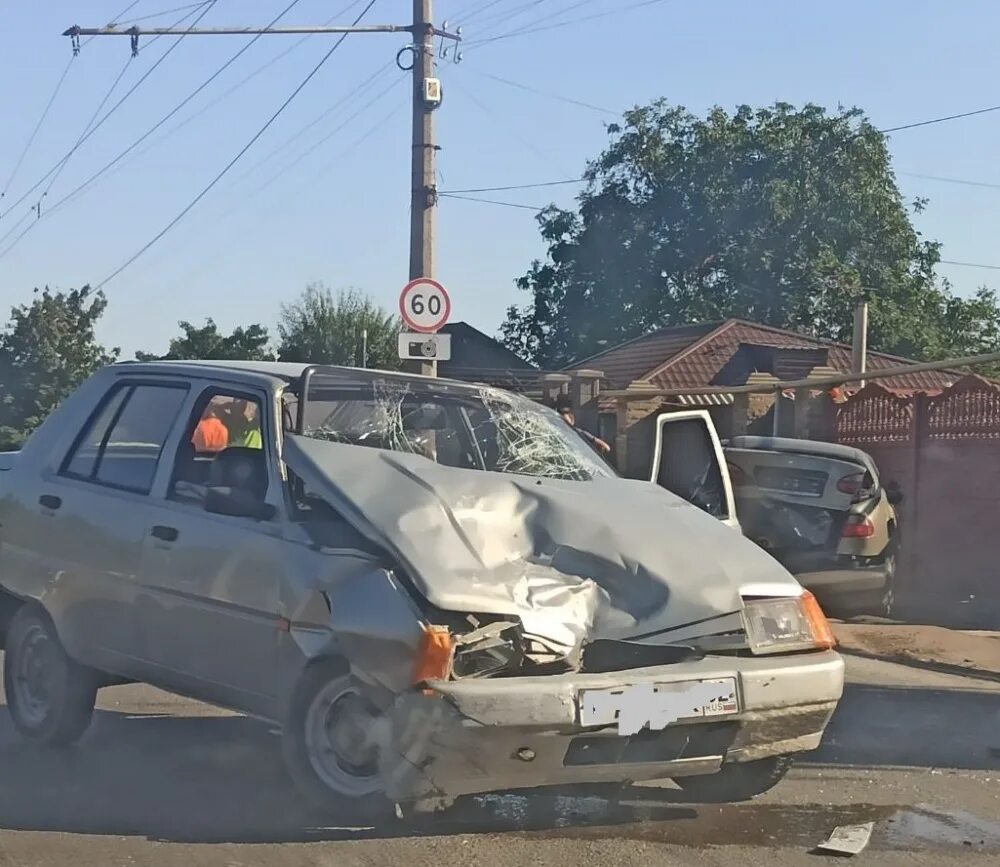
[820, 626]
[434, 656]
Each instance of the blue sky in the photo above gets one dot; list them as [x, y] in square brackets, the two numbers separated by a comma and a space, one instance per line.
[339, 214]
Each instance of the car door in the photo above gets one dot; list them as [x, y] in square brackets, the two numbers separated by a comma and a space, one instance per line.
[81, 522]
[688, 461]
[210, 582]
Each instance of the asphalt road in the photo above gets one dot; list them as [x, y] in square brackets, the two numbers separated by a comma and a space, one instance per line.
[159, 780]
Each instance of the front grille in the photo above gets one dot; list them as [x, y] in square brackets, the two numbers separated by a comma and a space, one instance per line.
[791, 481]
[702, 740]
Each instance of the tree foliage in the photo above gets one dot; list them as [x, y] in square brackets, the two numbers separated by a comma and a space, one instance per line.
[243, 344]
[324, 328]
[783, 216]
[47, 349]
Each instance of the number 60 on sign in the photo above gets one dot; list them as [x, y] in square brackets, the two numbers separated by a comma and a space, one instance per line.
[424, 305]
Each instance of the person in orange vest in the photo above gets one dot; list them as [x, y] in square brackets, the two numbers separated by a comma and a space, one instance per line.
[211, 435]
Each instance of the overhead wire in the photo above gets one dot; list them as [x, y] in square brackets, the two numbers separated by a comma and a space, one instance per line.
[491, 202]
[38, 126]
[944, 180]
[547, 94]
[969, 264]
[253, 140]
[513, 133]
[122, 154]
[205, 10]
[559, 24]
[357, 91]
[317, 145]
[243, 81]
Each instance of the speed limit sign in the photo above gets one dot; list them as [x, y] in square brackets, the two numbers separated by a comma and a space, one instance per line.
[424, 305]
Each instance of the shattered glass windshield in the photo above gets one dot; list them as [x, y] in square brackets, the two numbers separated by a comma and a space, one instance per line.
[470, 428]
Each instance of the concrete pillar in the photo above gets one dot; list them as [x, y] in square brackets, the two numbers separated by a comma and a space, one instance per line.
[554, 384]
[585, 390]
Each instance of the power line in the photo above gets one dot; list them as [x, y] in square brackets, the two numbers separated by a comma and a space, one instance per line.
[559, 24]
[970, 264]
[491, 202]
[464, 19]
[952, 180]
[239, 155]
[207, 8]
[119, 22]
[86, 130]
[548, 94]
[354, 92]
[516, 187]
[244, 81]
[502, 123]
[109, 165]
[554, 14]
[501, 16]
[941, 119]
[38, 126]
[317, 145]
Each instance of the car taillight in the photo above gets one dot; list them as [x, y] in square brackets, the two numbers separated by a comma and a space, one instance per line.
[737, 476]
[851, 484]
[858, 527]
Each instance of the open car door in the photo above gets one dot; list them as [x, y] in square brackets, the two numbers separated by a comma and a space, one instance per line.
[688, 461]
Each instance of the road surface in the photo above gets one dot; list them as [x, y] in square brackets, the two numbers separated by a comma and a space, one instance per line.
[159, 780]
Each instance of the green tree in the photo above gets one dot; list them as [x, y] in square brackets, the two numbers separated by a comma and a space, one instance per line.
[47, 349]
[324, 328]
[778, 215]
[243, 344]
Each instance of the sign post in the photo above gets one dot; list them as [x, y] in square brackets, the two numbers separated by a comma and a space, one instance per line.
[425, 307]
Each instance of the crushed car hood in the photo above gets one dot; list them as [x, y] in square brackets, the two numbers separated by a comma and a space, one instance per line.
[575, 561]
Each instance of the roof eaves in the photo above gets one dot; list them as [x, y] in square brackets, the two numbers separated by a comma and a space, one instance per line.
[699, 343]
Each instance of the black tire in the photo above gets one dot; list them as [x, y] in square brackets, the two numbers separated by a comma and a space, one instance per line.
[50, 696]
[738, 781]
[328, 779]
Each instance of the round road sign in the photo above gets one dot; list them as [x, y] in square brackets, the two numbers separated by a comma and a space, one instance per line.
[424, 305]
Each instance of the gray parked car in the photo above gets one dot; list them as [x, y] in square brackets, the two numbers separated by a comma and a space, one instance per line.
[435, 589]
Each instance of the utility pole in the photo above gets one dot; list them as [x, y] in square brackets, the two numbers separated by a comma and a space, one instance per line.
[426, 98]
[859, 347]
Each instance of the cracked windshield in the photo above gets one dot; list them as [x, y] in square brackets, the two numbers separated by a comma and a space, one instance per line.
[499, 432]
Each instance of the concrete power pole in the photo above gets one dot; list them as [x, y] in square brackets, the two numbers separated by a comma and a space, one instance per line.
[426, 98]
[423, 197]
[859, 360]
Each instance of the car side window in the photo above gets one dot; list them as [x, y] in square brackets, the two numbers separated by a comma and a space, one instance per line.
[222, 448]
[122, 442]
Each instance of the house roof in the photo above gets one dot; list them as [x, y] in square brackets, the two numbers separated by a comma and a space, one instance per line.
[694, 356]
[469, 338]
[635, 358]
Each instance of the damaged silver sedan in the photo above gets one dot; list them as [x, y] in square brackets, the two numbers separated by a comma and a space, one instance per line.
[435, 589]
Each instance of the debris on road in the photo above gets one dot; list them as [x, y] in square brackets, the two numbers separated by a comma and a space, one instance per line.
[847, 839]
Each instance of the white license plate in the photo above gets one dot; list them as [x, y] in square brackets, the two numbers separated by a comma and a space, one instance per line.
[657, 705]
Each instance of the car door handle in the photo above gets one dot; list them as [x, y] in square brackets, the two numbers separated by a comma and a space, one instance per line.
[167, 534]
[50, 501]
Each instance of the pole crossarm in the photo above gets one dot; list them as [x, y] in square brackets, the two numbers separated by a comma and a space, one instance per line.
[76, 30]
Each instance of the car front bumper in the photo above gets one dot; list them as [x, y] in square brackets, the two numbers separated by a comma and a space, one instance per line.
[476, 736]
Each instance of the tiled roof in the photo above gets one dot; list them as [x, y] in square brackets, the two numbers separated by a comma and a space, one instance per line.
[701, 362]
[629, 361]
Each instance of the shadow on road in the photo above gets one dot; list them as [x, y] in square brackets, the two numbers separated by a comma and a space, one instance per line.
[221, 779]
[913, 727]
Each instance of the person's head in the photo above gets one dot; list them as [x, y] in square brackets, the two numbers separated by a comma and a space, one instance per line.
[564, 406]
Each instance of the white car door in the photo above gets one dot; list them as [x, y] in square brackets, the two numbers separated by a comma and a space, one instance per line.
[688, 461]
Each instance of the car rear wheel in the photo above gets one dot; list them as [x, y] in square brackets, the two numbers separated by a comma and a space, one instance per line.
[50, 696]
[739, 781]
[329, 742]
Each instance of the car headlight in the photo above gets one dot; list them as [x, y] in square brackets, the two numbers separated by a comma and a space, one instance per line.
[786, 624]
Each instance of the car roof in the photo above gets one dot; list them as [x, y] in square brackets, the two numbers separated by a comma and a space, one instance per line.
[812, 448]
[287, 371]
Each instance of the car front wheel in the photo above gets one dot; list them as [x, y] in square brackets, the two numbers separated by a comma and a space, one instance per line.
[739, 781]
[50, 696]
[329, 742]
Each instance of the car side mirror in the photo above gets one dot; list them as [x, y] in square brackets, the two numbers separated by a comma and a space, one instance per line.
[237, 503]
